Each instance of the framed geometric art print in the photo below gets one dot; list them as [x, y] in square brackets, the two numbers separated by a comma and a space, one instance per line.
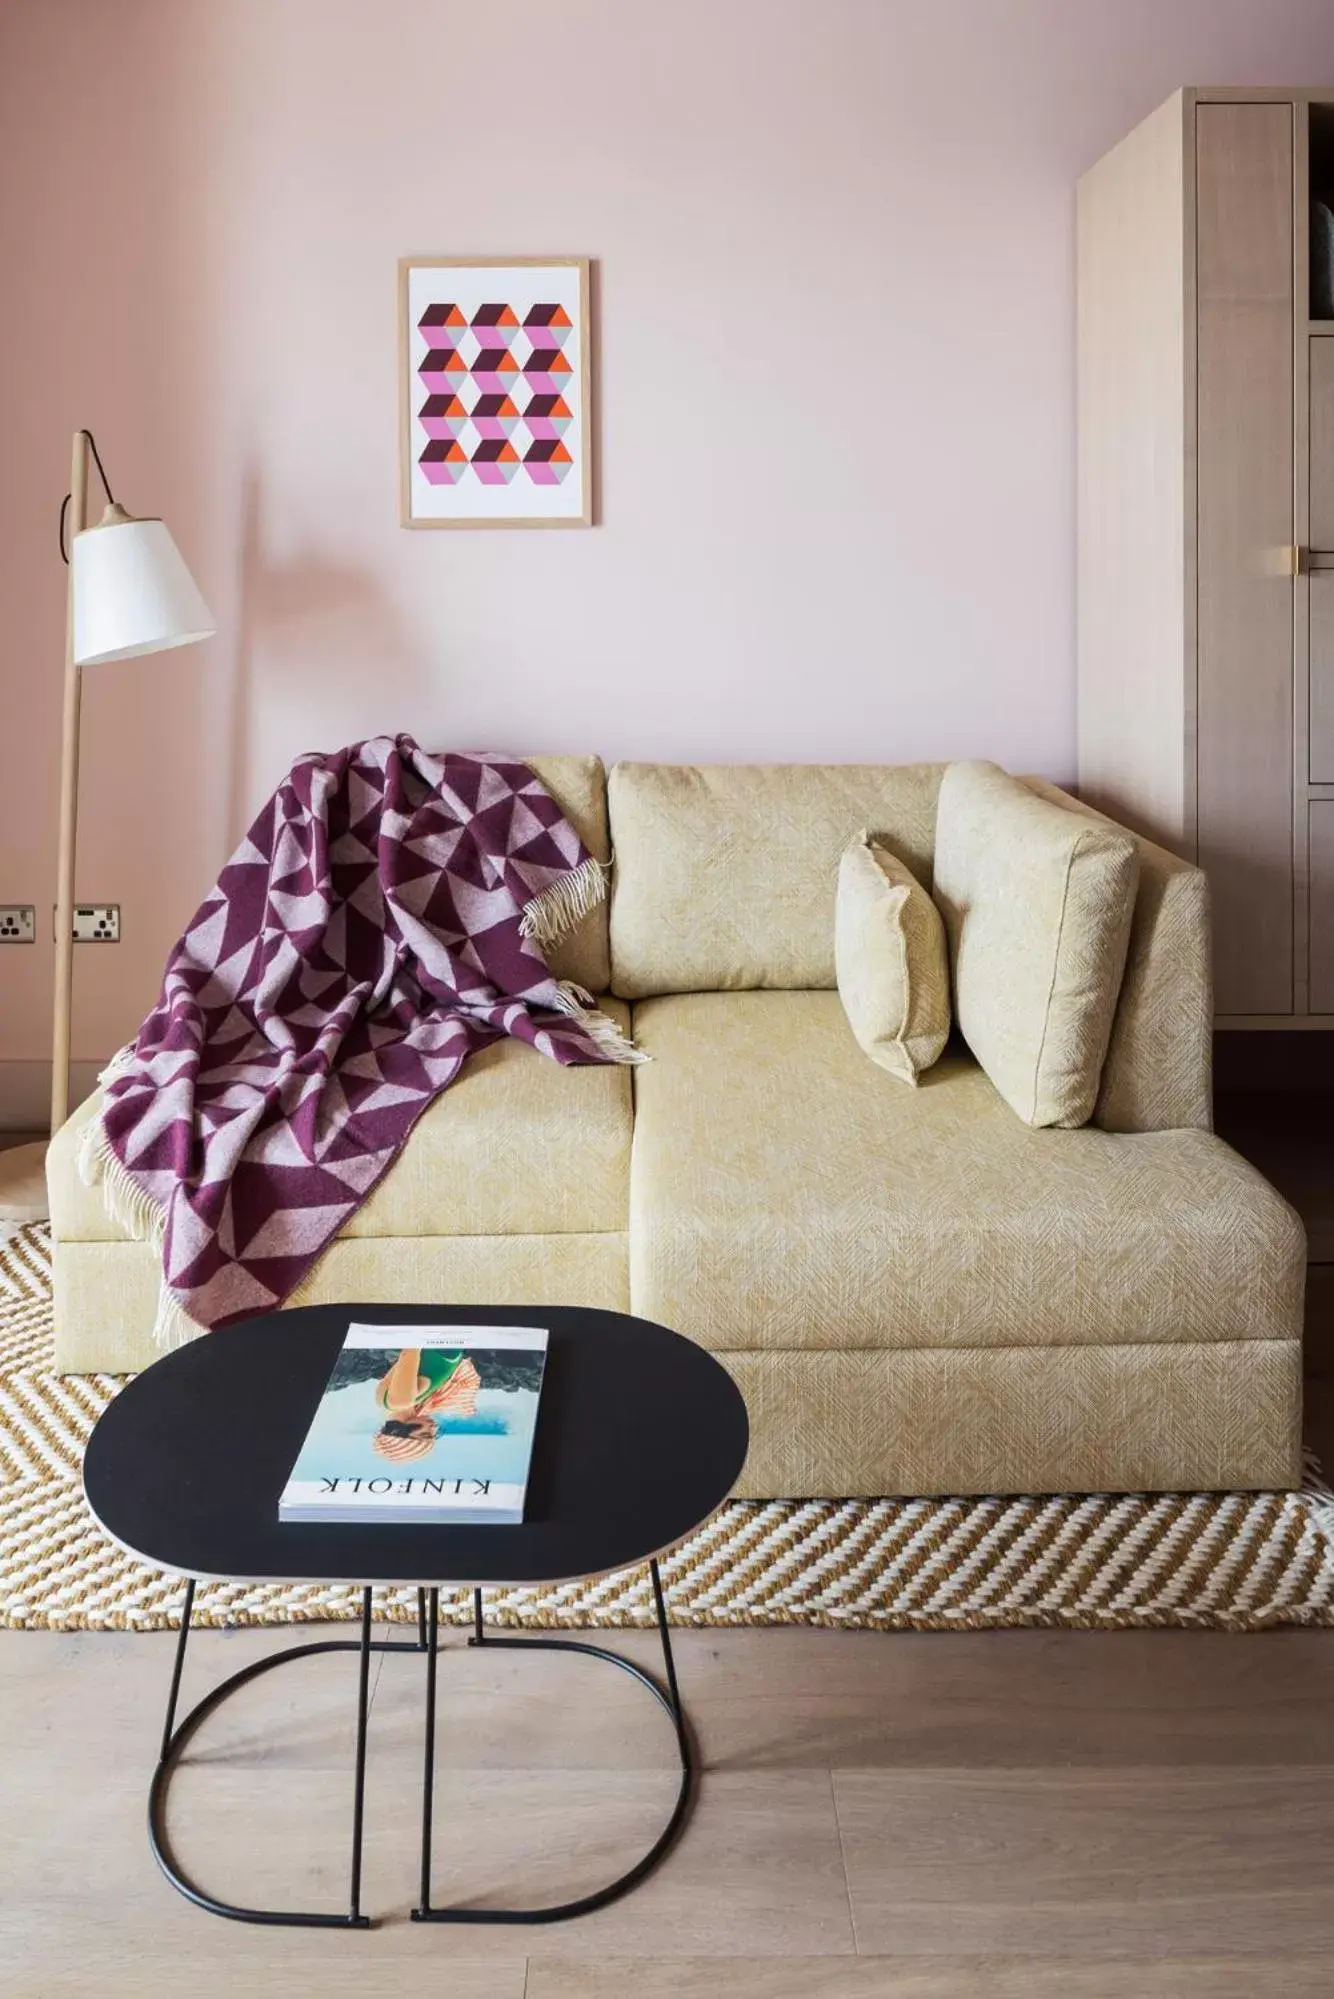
[494, 370]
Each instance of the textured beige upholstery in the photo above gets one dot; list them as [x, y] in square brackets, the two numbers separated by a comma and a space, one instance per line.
[106, 1292]
[1038, 905]
[786, 1193]
[725, 873]
[1009, 1419]
[1212, 1416]
[1158, 1071]
[579, 787]
[517, 1146]
[892, 964]
[915, 1290]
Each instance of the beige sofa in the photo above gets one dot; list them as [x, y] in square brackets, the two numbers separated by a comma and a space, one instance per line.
[915, 1290]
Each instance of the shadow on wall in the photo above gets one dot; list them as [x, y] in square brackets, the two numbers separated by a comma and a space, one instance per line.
[322, 655]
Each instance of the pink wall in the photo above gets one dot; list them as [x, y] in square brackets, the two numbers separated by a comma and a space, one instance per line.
[835, 250]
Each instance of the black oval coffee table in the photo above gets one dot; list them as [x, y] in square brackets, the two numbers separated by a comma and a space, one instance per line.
[640, 1437]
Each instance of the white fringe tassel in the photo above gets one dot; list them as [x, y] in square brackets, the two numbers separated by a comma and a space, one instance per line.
[548, 917]
[172, 1326]
[600, 1028]
[124, 1200]
[142, 1220]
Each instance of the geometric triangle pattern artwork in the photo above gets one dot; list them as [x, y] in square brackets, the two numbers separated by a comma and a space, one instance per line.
[493, 404]
[378, 923]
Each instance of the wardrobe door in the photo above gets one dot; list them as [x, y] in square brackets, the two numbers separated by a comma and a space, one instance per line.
[1322, 548]
[1322, 905]
[1244, 270]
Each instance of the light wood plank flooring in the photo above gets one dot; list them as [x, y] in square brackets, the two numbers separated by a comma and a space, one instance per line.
[1024, 1812]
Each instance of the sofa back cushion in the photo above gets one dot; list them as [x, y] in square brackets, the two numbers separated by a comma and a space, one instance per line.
[579, 787]
[1037, 904]
[726, 874]
[1158, 1075]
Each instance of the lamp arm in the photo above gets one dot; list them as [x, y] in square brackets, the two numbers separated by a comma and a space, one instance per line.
[106, 488]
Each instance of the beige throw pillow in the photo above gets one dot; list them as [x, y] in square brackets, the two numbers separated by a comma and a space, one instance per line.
[891, 960]
[1037, 904]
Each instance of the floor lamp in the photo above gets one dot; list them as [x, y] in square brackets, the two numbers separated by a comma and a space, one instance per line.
[129, 593]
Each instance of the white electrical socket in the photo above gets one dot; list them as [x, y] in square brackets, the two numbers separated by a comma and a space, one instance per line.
[97, 923]
[18, 923]
[94, 923]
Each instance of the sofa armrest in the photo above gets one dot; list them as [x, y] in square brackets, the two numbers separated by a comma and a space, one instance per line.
[1158, 1072]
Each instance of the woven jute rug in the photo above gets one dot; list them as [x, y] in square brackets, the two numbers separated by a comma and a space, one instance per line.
[1231, 1561]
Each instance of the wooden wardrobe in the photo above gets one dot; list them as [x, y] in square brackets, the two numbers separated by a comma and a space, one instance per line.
[1206, 523]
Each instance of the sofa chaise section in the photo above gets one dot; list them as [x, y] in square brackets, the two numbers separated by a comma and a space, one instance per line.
[917, 1292]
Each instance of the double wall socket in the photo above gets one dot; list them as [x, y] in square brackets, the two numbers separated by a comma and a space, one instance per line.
[94, 923]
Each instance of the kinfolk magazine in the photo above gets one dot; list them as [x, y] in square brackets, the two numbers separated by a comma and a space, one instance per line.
[436, 1432]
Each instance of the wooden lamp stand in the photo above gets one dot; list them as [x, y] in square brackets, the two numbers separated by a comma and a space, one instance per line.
[129, 592]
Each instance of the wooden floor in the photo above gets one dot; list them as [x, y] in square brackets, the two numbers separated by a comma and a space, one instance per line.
[1017, 1815]
[1010, 1814]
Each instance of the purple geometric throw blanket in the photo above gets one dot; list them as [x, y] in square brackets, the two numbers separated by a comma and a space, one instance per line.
[382, 919]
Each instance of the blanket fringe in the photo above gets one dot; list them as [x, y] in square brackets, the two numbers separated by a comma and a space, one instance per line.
[139, 1215]
[172, 1325]
[549, 916]
[119, 1063]
[123, 1198]
[600, 1028]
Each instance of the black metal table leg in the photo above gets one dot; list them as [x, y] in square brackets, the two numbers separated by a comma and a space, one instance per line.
[428, 1770]
[668, 1698]
[173, 1695]
[359, 1781]
[673, 1690]
[176, 1736]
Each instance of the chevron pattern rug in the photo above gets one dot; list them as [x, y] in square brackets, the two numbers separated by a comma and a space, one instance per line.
[1230, 1561]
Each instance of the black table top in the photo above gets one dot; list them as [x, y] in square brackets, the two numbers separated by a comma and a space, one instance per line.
[640, 1435]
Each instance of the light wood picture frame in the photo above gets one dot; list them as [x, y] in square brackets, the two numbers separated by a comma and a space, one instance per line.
[495, 392]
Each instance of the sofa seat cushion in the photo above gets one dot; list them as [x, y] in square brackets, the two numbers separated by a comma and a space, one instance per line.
[785, 1193]
[517, 1145]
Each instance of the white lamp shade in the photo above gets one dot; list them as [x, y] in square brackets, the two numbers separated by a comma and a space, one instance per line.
[132, 592]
